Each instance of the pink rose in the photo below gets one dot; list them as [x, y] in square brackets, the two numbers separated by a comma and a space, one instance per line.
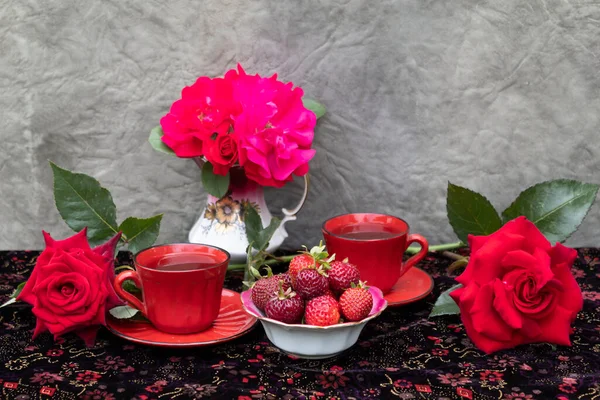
[70, 287]
[205, 108]
[274, 129]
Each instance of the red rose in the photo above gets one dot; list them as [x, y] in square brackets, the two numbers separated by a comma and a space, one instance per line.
[222, 152]
[518, 289]
[205, 108]
[70, 287]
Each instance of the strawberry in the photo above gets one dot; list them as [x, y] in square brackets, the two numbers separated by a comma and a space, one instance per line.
[356, 303]
[286, 306]
[266, 288]
[307, 260]
[298, 263]
[312, 283]
[342, 275]
[322, 311]
[287, 280]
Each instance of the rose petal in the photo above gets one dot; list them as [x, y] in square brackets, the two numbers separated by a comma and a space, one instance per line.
[467, 299]
[570, 298]
[476, 242]
[77, 241]
[562, 255]
[283, 169]
[505, 307]
[531, 329]
[457, 294]
[107, 250]
[26, 294]
[535, 239]
[485, 318]
[88, 334]
[485, 265]
[188, 147]
[53, 299]
[556, 328]
[44, 313]
[40, 327]
[537, 264]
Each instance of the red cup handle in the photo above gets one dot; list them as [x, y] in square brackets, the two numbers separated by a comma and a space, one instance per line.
[130, 299]
[415, 238]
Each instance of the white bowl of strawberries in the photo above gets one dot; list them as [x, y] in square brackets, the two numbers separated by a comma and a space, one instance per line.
[315, 310]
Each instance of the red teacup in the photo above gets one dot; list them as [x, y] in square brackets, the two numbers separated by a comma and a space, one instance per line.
[181, 285]
[374, 243]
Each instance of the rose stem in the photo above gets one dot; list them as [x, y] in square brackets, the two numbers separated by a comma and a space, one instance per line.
[198, 162]
[452, 256]
[437, 247]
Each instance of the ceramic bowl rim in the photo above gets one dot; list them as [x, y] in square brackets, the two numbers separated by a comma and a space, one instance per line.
[343, 325]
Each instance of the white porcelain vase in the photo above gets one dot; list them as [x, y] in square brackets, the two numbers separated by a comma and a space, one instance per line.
[222, 223]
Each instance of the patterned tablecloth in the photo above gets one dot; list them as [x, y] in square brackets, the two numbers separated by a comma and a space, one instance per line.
[402, 355]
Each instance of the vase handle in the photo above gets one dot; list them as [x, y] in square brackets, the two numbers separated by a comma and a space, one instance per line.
[290, 215]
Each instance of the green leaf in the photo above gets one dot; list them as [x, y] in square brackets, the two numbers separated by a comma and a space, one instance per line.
[248, 277]
[130, 287]
[82, 202]
[14, 295]
[314, 106]
[18, 290]
[555, 207]
[444, 305]
[267, 233]
[253, 227]
[216, 185]
[256, 234]
[141, 233]
[470, 213]
[156, 142]
[123, 312]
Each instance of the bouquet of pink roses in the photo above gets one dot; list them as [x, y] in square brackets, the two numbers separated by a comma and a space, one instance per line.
[260, 124]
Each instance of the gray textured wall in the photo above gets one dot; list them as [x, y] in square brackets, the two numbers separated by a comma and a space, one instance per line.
[493, 95]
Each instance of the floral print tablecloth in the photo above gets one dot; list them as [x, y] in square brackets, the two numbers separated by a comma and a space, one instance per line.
[400, 355]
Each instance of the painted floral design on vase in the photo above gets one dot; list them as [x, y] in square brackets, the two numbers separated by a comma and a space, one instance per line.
[228, 214]
[222, 224]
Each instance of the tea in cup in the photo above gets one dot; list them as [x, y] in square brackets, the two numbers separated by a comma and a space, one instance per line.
[181, 285]
[375, 243]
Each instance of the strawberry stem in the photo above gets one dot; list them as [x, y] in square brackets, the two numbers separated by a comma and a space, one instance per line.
[281, 295]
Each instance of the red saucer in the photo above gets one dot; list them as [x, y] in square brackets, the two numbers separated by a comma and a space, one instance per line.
[231, 323]
[413, 286]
